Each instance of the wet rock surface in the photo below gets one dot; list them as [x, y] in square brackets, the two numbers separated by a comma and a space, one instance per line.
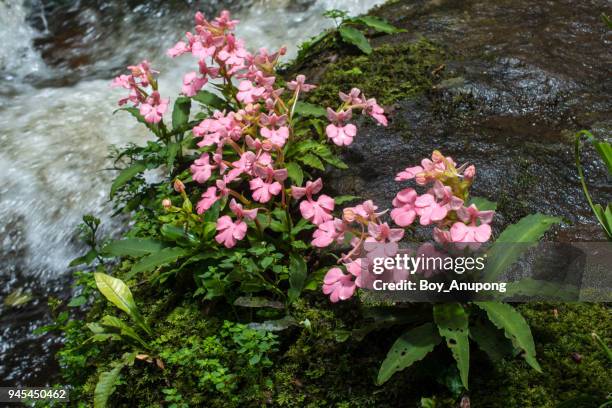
[519, 79]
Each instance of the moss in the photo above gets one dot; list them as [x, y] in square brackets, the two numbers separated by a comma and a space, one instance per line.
[389, 73]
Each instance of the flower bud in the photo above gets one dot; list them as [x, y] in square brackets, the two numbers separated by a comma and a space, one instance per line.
[421, 178]
[179, 187]
[437, 157]
[469, 173]
[166, 203]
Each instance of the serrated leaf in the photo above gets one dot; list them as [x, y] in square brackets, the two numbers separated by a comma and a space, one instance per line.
[483, 204]
[409, 348]
[490, 339]
[134, 247]
[160, 258]
[210, 99]
[311, 160]
[297, 276]
[528, 230]
[505, 317]
[452, 322]
[119, 294]
[309, 109]
[126, 175]
[295, 173]
[353, 36]
[180, 113]
[378, 24]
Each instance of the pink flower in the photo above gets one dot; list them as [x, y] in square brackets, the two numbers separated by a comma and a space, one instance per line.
[229, 232]
[208, 198]
[241, 212]
[179, 48]
[264, 190]
[469, 173]
[470, 233]
[375, 111]
[338, 285]
[383, 233]
[248, 93]
[341, 134]
[325, 234]
[354, 97]
[409, 173]
[367, 210]
[429, 210]
[445, 196]
[312, 188]
[318, 211]
[404, 213]
[300, 84]
[201, 169]
[153, 108]
[274, 129]
[192, 83]
[441, 236]
[471, 214]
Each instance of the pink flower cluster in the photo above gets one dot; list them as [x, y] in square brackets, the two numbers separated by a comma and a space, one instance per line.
[143, 93]
[256, 131]
[443, 203]
[368, 234]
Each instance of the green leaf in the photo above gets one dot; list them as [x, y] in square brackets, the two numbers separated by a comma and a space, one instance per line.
[77, 301]
[344, 199]
[134, 247]
[378, 24]
[605, 151]
[295, 173]
[210, 99]
[126, 175]
[490, 340]
[324, 152]
[179, 235]
[118, 293]
[309, 109]
[124, 329]
[409, 348]
[505, 317]
[311, 160]
[180, 113]
[483, 204]
[527, 231]
[452, 322]
[106, 386]
[171, 152]
[353, 36]
[87, 259]
[297, 276]
[160, 258]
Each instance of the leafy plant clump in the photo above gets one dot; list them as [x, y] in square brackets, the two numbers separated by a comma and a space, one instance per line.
[216, 277]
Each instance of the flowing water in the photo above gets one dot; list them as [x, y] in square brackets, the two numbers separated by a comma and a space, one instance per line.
[56, 60]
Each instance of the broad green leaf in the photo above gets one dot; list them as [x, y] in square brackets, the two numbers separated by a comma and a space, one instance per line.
[295, 173]
[124, 329]
[452, 322]
[503, 253]
[378, 24]
[409, 348]
[353, 36]
[210, 99]
[325, 153]
[297, 275]
[77, 301]
[134, 247]
[87, 259]
[605, 151]
[160, 258]
[106, 386]
[179, 235]
[505, 317]
[483, 204]
[126, 175]
[309, 109]
[180, 113]
[311, 160]
[118, 293]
